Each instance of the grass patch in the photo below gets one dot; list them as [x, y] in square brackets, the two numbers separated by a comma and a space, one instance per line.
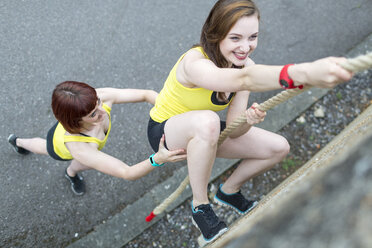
[339, 95]
[290, 163]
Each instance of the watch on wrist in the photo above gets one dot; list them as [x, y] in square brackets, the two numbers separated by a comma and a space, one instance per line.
[152, 161]
[285, 81]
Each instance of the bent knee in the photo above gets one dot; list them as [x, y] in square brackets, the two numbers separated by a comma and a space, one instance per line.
[208, 124]
[282, 147]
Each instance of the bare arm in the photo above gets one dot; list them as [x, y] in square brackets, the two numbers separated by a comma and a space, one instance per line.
[115, 96]
[196, 71]
[237, 108]
[89, 155]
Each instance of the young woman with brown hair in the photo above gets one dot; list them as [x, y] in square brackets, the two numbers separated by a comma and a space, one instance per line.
[216, 74]
[82, 129]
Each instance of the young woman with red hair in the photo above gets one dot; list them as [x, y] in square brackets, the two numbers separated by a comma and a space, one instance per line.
[82, 129]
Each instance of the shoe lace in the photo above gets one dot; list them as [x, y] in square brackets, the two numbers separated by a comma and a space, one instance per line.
[76, 179]
[243, 202]
[209, 215]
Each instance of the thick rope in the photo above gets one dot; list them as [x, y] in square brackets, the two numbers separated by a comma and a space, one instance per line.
[268, 104]
[355, 65]
[360, 63]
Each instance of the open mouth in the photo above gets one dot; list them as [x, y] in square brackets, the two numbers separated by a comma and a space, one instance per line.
[241, 56]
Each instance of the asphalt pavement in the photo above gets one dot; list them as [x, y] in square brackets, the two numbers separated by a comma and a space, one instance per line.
[124, 44]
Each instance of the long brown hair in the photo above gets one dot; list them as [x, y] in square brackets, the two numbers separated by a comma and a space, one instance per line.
[222, 17]
[71, 101]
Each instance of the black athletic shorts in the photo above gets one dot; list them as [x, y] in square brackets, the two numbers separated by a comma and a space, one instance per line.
[50, 147]
[155, 130]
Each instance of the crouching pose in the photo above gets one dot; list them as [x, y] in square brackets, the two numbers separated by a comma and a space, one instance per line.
[217, 74]
[82, 129]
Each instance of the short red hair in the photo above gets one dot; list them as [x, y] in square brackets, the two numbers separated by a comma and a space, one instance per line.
[71, 101]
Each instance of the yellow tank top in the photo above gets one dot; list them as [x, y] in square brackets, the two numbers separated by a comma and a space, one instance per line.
[175, 99]
[59, 138]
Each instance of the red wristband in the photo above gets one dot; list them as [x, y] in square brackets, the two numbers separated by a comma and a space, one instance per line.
[285, 81]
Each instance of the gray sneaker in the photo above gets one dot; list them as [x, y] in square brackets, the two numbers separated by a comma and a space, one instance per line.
[77, 183]
[12, 140]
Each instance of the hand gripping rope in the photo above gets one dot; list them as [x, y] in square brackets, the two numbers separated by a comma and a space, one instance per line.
[360, 63]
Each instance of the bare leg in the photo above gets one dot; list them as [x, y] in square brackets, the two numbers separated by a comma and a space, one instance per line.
[198, 132]
[76, 167]
[260, 150]
[35, 145]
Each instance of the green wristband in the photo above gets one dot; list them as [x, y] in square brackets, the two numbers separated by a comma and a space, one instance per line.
[153, 163]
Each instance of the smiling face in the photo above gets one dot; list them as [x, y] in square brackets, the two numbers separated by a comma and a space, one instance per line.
[240, 41]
